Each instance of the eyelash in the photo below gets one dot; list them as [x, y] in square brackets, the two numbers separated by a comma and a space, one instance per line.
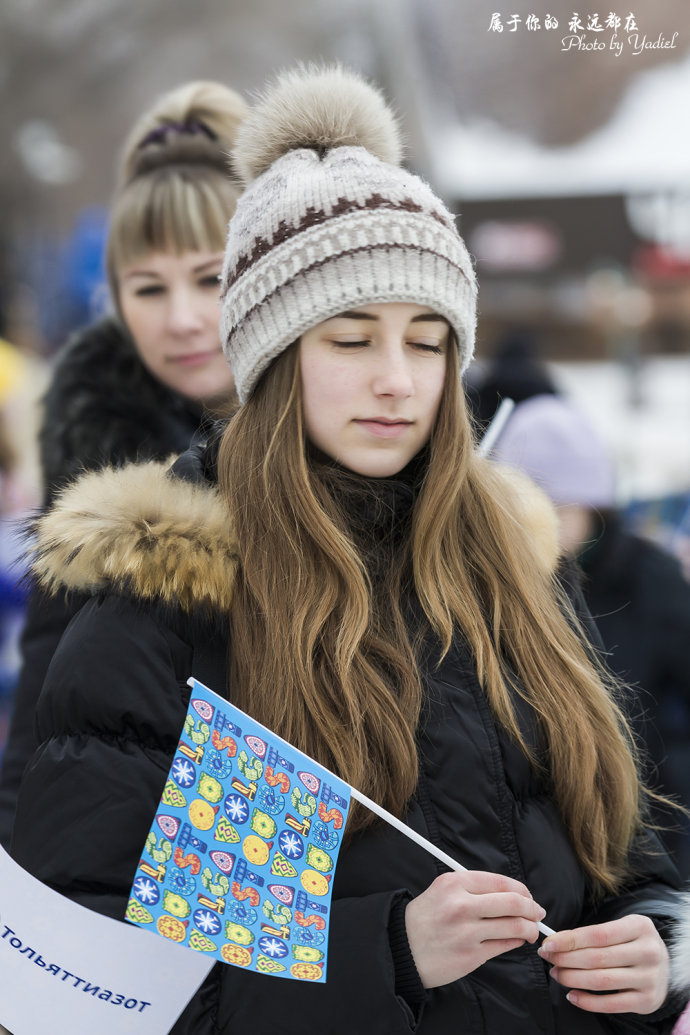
[152, 289]
[424, 346]
[158, 289]
[436, 349]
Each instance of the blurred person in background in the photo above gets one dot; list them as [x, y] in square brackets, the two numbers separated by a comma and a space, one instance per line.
[21, 380]
[143, 382]
[634, 588]
[515, 371]
[12, 591]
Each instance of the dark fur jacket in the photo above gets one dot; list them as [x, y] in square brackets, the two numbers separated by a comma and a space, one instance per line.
[102, 407]
[158, 555]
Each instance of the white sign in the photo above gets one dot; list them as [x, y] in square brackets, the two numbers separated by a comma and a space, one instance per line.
[59, 960]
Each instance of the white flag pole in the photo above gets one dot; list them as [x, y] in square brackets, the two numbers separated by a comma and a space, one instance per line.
[418, 839]
[496, 427]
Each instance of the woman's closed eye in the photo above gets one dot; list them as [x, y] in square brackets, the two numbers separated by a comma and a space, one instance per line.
[423, 346]
[149, 289]
[428, 346]
[210, 281]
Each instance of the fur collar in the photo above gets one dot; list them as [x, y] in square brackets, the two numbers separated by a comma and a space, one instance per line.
[141, 531]
[150, 534]
[679, 949]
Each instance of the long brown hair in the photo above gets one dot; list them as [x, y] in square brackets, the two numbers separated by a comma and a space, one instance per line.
[325, 658]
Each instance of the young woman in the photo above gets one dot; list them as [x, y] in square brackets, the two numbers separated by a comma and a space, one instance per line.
[139, 383]
[347, 569]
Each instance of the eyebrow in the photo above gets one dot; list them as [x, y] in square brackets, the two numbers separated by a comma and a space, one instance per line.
[209, 264]
[430, 318]
[141, 273]
[423, 317]
[195, 269]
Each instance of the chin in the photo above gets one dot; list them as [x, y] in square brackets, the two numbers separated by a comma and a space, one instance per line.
[373, 469]
[208, 393]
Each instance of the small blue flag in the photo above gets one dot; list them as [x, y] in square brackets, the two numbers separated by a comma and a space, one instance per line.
[242, 850]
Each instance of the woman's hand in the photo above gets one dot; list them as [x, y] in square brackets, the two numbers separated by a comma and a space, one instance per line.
[464, 919]
[626, 958]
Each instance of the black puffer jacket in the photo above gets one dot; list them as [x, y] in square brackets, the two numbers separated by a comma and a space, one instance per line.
[158, 554]
[102, 407]
[641, 603]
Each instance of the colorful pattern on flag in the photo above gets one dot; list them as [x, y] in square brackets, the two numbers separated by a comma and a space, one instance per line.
[243, 847]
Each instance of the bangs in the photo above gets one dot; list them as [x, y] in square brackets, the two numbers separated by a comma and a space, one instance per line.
[172, 213]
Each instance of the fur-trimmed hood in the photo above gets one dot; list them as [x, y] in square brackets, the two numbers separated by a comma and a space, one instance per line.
[142, 530]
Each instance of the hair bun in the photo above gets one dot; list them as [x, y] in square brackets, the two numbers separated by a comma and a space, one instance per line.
[320, 108]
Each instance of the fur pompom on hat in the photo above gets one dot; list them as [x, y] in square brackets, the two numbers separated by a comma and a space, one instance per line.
[343, 112]
[329, 221]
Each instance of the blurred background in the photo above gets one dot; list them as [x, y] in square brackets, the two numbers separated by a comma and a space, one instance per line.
[559, 136]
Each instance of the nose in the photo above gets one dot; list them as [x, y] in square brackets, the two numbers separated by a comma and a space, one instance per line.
[184, 314]
[392, 375]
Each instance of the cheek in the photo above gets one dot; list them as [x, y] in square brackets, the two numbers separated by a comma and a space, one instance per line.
[323, 388]
[434, 391]
[329, 398]
[210, 310]
[141, 323]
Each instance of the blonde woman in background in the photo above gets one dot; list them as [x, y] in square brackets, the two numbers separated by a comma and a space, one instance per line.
[141, 383]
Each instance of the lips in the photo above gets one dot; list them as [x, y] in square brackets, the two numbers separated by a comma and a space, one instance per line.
[193, 359]
[384, 427]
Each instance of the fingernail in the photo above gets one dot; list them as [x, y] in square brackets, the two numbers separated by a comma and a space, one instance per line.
[542, 913]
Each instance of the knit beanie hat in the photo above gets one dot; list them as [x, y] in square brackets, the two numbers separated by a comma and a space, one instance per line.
[551, 441]
[329, 221]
